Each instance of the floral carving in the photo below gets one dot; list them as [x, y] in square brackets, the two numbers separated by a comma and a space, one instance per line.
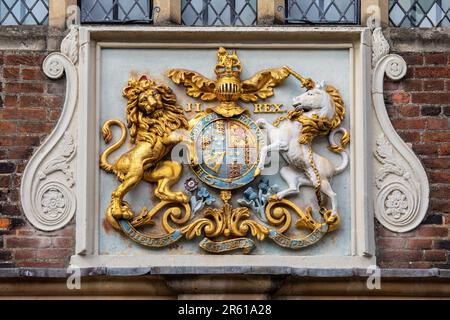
[396, 204]
[53, 203]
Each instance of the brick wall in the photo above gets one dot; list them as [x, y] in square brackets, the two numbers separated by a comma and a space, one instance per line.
[30, 105]
[419, 107]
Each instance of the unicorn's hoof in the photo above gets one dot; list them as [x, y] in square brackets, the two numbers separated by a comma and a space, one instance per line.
[257, 172]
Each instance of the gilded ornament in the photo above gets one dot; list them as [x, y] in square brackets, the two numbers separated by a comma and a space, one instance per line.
[227, 151]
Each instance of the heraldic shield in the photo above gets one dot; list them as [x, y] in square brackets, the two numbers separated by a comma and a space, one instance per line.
[228, 200]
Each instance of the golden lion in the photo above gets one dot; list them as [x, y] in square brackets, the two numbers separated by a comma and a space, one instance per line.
[152, 118]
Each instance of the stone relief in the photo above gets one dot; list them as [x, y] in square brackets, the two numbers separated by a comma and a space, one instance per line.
[402, 189]
[47, 189]
[400, 192]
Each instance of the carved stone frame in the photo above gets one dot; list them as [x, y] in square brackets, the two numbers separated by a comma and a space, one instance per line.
[80, 59]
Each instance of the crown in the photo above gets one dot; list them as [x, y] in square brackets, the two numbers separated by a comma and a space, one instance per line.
[228, 65]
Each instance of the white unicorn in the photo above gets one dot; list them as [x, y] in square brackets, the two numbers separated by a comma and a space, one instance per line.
[318, 111]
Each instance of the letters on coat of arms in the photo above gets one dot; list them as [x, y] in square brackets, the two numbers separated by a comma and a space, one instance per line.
[226, 152]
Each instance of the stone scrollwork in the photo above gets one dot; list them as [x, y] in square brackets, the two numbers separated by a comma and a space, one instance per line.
[397, 195]
[47, 189]
[380, 46]
[402, 189]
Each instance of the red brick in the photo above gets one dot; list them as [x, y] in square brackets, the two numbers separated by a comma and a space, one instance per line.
[439, 205]
[432, 231]
[54, 114]
[439, 136]
[437, 124]
[409, 136]
[401, 255]
[437, 163]
[53, 253]
[405, 85]
[24, 254]
[447, 219]
[440, 192]
[4, 180]
[419, 244]
[413, 59]
[27, 128]
[434, 85]
[24, 88]
[56, 88]
[432, 72]
[431, 110]
[399, 97]
[435, 255]
[391, 243]
[68, 231]
[32, 74]
[34, 114]
[409, 111]
[425, 149]
[431, 98]
[440, 177]
[36, 242]
[409, 123]
[31, 101]
[22, 59]
[436, 58]
[444, 149]
[19, 141]
[20, 153]
[63, 242]
[5, 223]
[11, 73]
[8, 127]
[10, 101]
[421, 265]
[7, 167]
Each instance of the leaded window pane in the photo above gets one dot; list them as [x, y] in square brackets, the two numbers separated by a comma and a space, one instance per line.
[322, 11]
[23, 12]
[219, 12]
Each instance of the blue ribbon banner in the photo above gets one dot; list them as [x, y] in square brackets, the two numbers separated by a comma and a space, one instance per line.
[155, 242]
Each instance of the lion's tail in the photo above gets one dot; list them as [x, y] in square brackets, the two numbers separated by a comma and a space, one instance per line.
[107, 136]
[340, 148]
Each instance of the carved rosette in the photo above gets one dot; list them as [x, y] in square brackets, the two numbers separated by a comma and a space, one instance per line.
[47, 189]
[402, 189]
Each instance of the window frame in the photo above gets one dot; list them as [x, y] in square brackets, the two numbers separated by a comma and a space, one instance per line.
[26, 12]
[289, 21]
[412, 18]
[115, 4]
[234, 17]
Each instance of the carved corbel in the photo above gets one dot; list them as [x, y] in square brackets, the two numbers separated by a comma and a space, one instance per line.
[47, 189]
[401, 192]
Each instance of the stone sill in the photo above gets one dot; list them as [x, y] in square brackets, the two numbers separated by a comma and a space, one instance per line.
[30, 38]
[186, 271]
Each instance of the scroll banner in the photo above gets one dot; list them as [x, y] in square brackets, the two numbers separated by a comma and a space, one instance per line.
[145, 240]
[287, 242]
[245, 244]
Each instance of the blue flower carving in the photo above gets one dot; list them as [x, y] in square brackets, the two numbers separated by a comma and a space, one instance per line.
[257, 200]
[201, 198]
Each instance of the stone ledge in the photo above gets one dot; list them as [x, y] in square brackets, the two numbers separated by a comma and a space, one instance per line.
[418, 39]
[30, 38]
[224, 287]
[200, 271]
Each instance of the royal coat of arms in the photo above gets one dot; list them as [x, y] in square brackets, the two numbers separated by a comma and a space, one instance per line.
[226, 150]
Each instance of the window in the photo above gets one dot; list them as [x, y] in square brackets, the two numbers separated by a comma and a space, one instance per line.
[23, 12]
[116, 11]
[419, 13]
[322, 11]
[218, 12]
